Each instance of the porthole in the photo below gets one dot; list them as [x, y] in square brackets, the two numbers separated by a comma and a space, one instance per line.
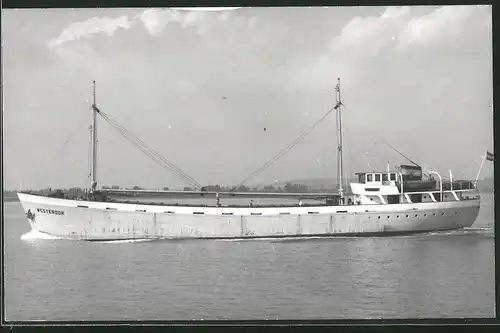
[425, 215]
[407, 215]
[379, 217]
[416, 215]
[434, 214]
[442, 214]
[397, 216]
[388, 216]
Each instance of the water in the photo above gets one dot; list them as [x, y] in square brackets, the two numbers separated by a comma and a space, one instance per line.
[434, 275]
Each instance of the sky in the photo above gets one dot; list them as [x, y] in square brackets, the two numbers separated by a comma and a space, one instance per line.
[200, 86]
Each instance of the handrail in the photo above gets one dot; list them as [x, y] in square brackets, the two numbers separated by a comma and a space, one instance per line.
[381, 197]
[401, 181]
[451, 181]
[440, 184]
[444, 191]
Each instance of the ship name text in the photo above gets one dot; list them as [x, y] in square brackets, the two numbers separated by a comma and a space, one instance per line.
[50, 211]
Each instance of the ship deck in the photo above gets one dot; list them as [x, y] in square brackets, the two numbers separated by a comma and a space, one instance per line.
[165, 203]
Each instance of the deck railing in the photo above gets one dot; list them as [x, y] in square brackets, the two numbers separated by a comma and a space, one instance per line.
[456, 194]
[406, 195]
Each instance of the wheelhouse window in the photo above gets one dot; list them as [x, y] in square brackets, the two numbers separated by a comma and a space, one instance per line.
[385, 177]
[369, 177]
[393, 176]
[377, 177]
[361, 178]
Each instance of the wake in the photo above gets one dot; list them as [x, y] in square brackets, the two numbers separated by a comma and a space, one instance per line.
[464, 231]
[123, 241]
[34, 235]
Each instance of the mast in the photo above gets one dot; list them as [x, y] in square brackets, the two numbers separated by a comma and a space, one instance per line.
[93, 138]
[340, 176]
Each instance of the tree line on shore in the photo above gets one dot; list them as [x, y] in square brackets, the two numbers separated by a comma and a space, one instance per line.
[79, 192]
[486, 185]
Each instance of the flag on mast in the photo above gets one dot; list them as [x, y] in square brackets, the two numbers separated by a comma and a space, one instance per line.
[490, 156]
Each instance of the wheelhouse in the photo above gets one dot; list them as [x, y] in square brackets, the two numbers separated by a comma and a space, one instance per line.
[377, 178]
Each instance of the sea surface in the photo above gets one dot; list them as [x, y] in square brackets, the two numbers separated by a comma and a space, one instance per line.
[435, 275]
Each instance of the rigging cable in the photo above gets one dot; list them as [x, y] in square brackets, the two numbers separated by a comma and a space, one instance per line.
[397, 151]
[347, 143]
[150, 152]
[155, 156]
[425, 174]
[285, 150]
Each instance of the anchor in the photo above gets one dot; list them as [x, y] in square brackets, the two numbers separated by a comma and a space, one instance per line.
[30, 216]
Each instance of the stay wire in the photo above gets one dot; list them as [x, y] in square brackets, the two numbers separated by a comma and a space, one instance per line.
[282, 152]
[150, 152]
[153, 157]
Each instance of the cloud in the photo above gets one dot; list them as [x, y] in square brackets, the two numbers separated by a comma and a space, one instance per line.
[87, 28]
[443, 23]
[396, 28]
[369, 34]
[155, 20]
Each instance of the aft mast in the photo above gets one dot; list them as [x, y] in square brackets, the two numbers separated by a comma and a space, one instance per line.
[340, 176]
[93, 138]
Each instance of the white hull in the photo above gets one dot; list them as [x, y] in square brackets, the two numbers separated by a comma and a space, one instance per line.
[115, 221]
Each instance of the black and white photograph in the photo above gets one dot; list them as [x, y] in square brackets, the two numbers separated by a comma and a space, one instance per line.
[248, 163]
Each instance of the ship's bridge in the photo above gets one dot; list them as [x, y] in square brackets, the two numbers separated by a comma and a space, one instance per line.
[383, 186]
[378, 178]
[372, 186]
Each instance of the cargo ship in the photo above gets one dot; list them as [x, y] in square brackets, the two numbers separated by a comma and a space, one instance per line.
[379, 203]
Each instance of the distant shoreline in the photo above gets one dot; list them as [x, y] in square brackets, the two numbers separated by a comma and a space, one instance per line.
[11, 196]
